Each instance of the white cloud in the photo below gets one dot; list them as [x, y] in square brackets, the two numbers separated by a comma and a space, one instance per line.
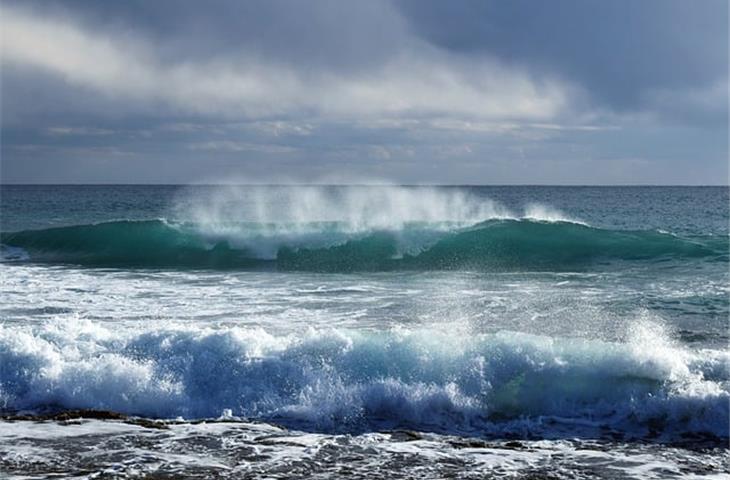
[421, 81]
[80, 131]
[233, 146]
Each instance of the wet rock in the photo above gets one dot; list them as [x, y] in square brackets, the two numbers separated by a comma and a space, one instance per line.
[515, 445]
[147, 423]
[67, 415]
[405, 436]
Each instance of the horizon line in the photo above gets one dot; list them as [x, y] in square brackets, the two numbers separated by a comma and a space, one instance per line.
[109, 184]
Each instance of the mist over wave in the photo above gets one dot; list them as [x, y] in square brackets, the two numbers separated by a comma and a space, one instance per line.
[342, 229]
[323, 216]
[353, 208]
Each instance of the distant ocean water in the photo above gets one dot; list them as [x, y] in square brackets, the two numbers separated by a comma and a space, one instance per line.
[402, 331]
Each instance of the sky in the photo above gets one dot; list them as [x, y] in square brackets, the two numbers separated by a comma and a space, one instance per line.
[336, 91]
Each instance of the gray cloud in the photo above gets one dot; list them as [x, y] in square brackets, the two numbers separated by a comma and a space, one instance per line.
[620, 51]
[416, 91]
[254, 87]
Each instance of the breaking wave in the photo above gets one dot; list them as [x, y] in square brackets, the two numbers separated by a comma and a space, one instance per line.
[495, 244]
[342, 380]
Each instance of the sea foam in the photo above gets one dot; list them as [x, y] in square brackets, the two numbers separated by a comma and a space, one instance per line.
[341, 380]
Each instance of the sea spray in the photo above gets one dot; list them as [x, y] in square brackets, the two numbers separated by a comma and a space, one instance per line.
[565, 332]
[353, 208]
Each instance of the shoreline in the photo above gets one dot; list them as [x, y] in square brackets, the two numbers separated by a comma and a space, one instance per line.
[694, 441]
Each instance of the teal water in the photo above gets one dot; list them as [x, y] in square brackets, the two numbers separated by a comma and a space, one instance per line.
[541, 313]
[681, 210]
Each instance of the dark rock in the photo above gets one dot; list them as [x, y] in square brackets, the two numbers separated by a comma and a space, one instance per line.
[514, 444]
[405, 436]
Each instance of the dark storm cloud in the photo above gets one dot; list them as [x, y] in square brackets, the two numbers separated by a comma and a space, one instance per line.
[618, 50]
[417, 91]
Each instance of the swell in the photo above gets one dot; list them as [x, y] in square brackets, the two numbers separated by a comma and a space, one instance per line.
[338, 380]
[504, 244]
[149, 243]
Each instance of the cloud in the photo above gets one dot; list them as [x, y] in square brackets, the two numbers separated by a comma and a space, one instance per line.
[483, 91]
[617, 51]
[422, 82]
[698, 104]
[232, 146]
[78, 131]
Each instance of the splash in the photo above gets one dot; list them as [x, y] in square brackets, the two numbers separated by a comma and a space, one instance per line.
[546, 213]
[344, 380]
[354, 208]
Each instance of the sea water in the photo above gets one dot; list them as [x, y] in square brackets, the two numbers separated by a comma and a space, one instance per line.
[406, 332]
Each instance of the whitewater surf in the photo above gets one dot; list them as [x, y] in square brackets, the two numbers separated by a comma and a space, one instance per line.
[504, 331]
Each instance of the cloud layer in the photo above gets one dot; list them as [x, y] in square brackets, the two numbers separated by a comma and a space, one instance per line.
[419, 92]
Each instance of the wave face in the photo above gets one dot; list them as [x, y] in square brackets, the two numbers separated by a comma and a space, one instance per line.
[499, 244]
[336, 380]
[152, 243]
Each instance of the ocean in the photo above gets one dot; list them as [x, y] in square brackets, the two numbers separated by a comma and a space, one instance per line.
[364, 331]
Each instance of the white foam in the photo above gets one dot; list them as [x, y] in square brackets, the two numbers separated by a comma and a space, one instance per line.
[235, 450]
[546, 213]
[330, 379]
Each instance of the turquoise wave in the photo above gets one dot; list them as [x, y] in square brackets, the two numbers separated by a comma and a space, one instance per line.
[149, 243]
[490, 245]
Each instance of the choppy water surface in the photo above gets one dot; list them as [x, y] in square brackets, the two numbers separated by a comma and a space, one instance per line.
[404, 332]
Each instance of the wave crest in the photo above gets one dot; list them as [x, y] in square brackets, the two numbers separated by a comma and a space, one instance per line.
[505, 244]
